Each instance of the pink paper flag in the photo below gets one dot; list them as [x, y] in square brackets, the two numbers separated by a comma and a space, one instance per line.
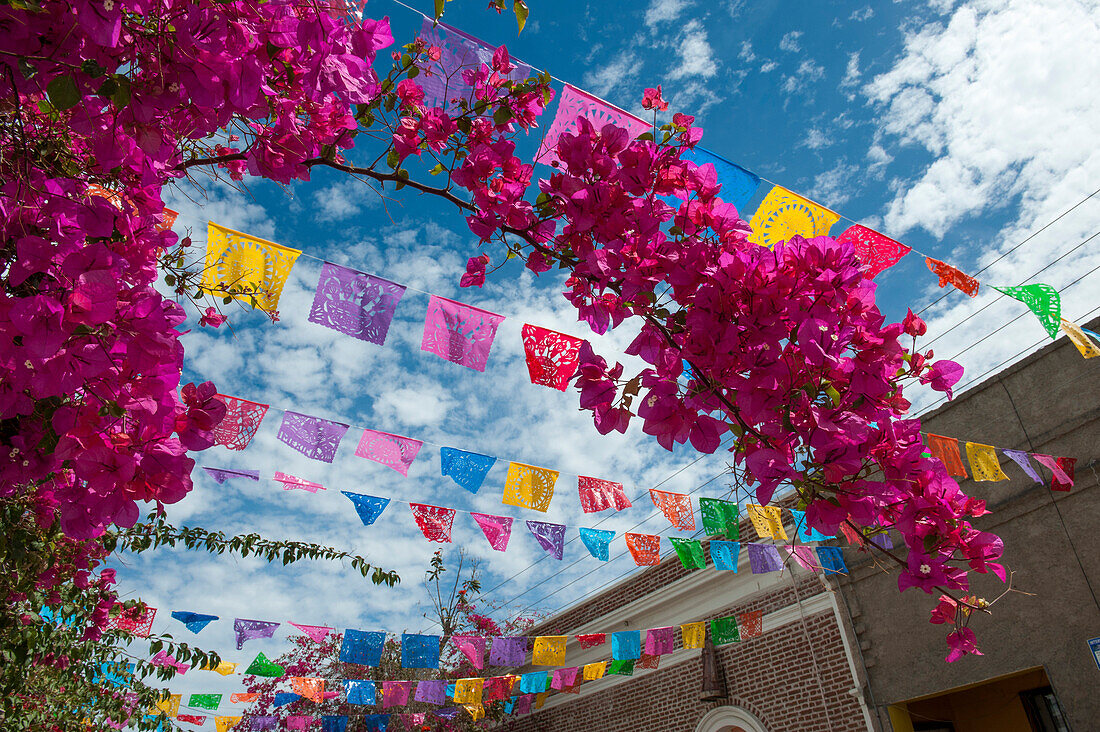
[805, 557]
[596, 494]
[563, 678]
[459, 333]
[299, 721]
[290, 482]
[316, 633]
[393, 451]
[472, 647]
[552, 357]
[574, 104]
[497, 529]
[1060, 468]
[434, 521]
[395, 693]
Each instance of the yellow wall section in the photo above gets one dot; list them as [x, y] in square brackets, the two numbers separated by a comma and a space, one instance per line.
[992, 705]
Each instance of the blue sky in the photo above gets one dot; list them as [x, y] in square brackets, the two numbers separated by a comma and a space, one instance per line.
[955, 127]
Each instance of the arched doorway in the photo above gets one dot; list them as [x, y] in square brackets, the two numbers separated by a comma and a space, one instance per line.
[730, 719]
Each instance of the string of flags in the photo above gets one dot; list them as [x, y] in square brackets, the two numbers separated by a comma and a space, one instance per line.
[986, 466]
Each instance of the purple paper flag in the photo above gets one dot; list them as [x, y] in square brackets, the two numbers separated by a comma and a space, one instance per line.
[659, 641]
[764, 558]
[431, 692]
[355, 303]
[220, 475]
[508, 651]
[447, 712]
[393, 451]
[442, 80]
[1020, 458]
[550, 536]
[575, 103]
[497, 529]
[265, 722]
[312, 436]
[247, 630]
[472, 647]
[459, 333]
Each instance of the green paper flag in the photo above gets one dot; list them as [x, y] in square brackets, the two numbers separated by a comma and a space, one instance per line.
[690, 552]
[724, 630]
[1043, 300]
[205, 701]
[719, 517]
[263, 666]
[623, 667]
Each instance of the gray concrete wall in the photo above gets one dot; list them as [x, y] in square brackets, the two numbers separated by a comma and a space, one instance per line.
[1048, 403]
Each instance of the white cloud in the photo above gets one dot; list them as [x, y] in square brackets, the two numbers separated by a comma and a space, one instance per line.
[851, 75]
[790, 42]
[861, 14]
[808, 72]
[834, 187]
[620, 72]
[746, 53]
[343, 199]
[878, 159]
[768, 67]
[696, 55]
[816, 139]
[664, 11]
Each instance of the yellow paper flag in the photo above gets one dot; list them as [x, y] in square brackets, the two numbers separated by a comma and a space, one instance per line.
[1080, 339]
[984, 464]
[476, 711]
[783, 214]
[694, 634]
[549, 651]
[529, 487]
[238, 260]
[540, 699]
[469, 691]
[225, 668]
[767, 520]
[221, 724]
[593, 671]
[170, 706]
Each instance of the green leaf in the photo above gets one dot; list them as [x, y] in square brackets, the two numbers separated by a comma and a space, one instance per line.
[521, 10]
[62, 92]
[121, 97]
[92, 69]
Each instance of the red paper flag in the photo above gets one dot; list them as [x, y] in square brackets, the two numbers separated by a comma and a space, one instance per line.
[552, 357]
[435, 522]
[596, 495]
[589, 640]
[645, 548]
[750, 624]
[950, 276]
[875, 251]
[947, 450]
[242, 420]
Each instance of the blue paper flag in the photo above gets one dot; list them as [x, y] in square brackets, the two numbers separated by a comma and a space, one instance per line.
[626, 644]
[419, 651]
[362, 647]
[283, 698]
[832, 561]
[447, 712]
[376, 722]
[533, 683]
[467, 469]
[738, 184]
[805, 532]
[369, 508]
[193, 621]
[597, 542]
[333, 723]
[359, 691]
[451, 690]
[509, 705]
[724, 554]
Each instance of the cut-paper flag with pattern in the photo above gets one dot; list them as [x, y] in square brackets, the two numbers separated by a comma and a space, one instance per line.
[750, 624]
[225, 668]
[984, 465]
[1021, 458]
[245, 698]
[205, 701]
[591, 640]
[395, 693]
[170, 706]
[238, 261]
[594, 671]
[720, 517]
[393, 451]
[533, 682]
[725, 554]
[300, 722]
[1080, 339]
[875, 251]
[549, 651]
[552, 357]
[497, 529]
[467, 469]
[316, 633]
[563, 678]
[196, 719]
[264, 723]
[805, 557]
[369, 508]
[293, 482]
[434, 521]
[693, 635]
[1043, 300]
[314, 437]
[764, 558]
[676, 507]
[767, 520]
[361, 692]
[506, 651]
[660, 641]
[597, 495]
[1061, 470]
[626, 644]
[803, 530]
[528, 486]
[573, 104]
[419, 651]
[442, 79]
[246, 630]
[724, 630]
[431, 691]
[263, 666]
[832, 560]
[220, 475]
[308, 688]
[738, 185]
[645, 549]
[194, 622]
[459, 333]
[334, 723]
[951, 276]
[946, 449]
[241, 422]
[224, 724]
[551, 537]
[597, 542]
[689, 551]
[784, 214]
[355, 303]
[472, 647]
[137, 620]
[469, 691]
[623, 667]
[362, 647]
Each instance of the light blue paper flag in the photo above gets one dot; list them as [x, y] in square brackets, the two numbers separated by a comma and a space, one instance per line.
[451, 690]
[419, 651]
[597, 542]
[805, 532]
[369, 508]
[738, 184]
[362, 647]
[724, 554]
[360, 691]
[534, 682]
[832, 561]
[626, 645]
[467, 469]
[193, 621]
